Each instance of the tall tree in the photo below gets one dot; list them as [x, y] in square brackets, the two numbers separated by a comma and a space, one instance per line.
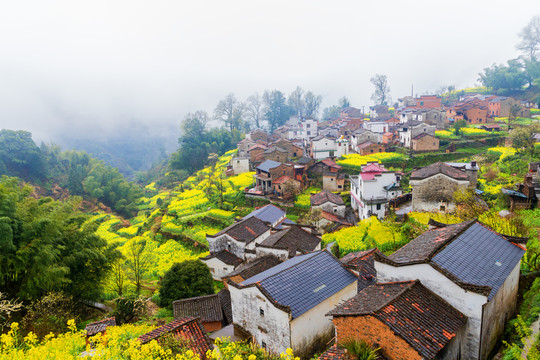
[530, 38]
[381, 96]
[137, 262]
[330, 112]
[296, 102]
[505, 77]
[254, 109]
[276, 109]
[312, 103]
[344, 102]
[230, 111]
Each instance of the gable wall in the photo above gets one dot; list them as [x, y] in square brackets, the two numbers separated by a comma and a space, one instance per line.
[218, 268]
[428, 194]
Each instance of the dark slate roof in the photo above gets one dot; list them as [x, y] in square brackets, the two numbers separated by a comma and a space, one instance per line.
[417, 137]
[225, 301]
[304, 281]
[480, 256]
[422, 248]
[274, 148]
[207, 308]
[438, 168]
[189, 329]
[294, 239]
[414, 313]
[267, 165]
[268, 213]
[226, 257]
[470, 254]
[286, 222]
[99, 326]
[255, 267]
[303, 160]
[246, 230]
[325, 196]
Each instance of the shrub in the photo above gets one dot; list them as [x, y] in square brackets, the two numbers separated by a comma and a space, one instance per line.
[185, 280]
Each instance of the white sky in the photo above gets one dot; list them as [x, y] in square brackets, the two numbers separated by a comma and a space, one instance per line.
[79, 63]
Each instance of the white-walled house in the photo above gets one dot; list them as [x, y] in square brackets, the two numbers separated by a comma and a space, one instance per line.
[323, 147]
[372, 190]
[362, 135]
[342, 147]
[411, 129]
[473, 268]
[239, 165]
[309, 129]
[285, 306]
[235, 241]
[329, 202]
[379, 127]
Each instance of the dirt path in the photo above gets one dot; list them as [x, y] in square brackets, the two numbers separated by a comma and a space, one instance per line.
[535, 326]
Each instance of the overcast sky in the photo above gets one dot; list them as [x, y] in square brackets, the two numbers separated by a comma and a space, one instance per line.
[76, 64]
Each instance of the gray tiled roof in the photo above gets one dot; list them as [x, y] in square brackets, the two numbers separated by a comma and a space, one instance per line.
[269, 213]
[268, 164]
[304, 281]
[207, 308]
[480, 256]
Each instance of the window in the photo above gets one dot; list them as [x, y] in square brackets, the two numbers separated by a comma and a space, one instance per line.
[378, 206]
[261, 312]
[309, 132]
[263, 344]
[225, 268]
[308, 126]
[339, 186]
[443, 208]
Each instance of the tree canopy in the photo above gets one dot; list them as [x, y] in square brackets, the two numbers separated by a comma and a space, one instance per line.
[47, 246]
[381, 95]
[185, 280]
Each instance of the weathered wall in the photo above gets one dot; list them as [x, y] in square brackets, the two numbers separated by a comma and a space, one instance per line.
[313, 328]
[281, 254]
[329, 207]
[225, 242]
[468, 303]
[240, 165]
[425, 143]
[374, 331]
[218, 268]
[498, 311]
[212, 326]
[429, 194]
[273, 327]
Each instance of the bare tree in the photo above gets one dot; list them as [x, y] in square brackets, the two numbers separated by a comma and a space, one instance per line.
[344, 102]
[254, 109]
[312, 103]
[230, 111]
[530, 38]
[6, 308]
[381, 96]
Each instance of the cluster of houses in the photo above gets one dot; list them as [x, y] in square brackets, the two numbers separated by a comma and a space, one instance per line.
[447, 294]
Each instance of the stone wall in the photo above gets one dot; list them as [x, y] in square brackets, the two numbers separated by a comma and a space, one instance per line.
[431, 193]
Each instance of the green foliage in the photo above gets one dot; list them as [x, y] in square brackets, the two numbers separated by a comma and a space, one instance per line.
[46, 246]
[359, 349]
[277, 110]
[20, 156]
[49, 314]
[506, 77]
[128, 309]
[185, 280]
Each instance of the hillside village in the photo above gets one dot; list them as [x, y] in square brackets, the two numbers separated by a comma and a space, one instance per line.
[446, 294]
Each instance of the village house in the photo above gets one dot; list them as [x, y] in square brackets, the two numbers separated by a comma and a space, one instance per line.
[255, 153]
[368, 148]
[287, 243]
[372, 190]
[349, 127]
[329, 202]
[428, 101]
[243, 147]
[189, 332]
[233, 245]
[275, 153]
[263, 178]
[411, 129]
[472, 112]
[333, 181]
[98, 327]
[309, 129]
[378, 111]
[257, 136]
[330, 222]
[424, 142]
[293, 150]
[323, 147]
[387, 138]
[238, 165]
[272, 215]
[250, 269]
[330, 131]
[208, 309]
[361, 136]
[350, 113]
[285, 306]
[433, 186]
[500, 107]
[286, 187]
[470, 266]
[378, 127]
[405, 320]
[324, 166]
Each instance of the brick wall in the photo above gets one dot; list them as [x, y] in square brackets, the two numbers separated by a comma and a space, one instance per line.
[374, 331]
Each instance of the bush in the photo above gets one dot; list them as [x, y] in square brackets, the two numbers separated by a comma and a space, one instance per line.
[185, 280]
[49, 314]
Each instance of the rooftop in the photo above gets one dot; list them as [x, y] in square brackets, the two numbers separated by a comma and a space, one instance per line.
[413, 312]
[207, 308]
[225, 257]
[294, 239]
[438, 168]
[268, 213]
[99, 326]
[301, 283]
[324, 197]
[267, 165]
[246, 230]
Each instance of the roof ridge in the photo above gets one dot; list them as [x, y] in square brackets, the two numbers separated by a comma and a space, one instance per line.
[447, 242]
[194, 297]
[294, 265]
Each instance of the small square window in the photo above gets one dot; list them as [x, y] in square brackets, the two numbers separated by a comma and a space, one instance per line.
[261, 312]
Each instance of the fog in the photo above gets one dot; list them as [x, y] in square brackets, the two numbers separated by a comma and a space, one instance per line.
[98, 66]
